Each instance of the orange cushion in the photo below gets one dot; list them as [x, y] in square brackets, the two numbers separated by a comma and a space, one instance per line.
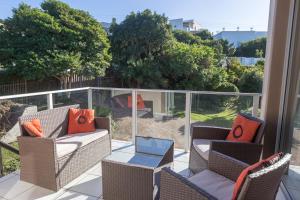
[140, 102]
[33, 128]
[243, 129]
[81, 121]
[252, 169]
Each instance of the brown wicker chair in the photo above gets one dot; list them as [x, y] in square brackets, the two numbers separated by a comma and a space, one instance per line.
[217, 182]
[55, 160]
[205, 138]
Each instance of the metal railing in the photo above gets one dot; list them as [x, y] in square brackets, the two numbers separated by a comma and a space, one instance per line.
[134, 92]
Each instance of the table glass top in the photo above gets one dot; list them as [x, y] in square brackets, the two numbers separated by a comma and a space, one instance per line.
[149, 152]
[136, 159]
[154, 146]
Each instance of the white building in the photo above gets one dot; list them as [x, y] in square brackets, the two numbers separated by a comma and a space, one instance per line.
[245, 61]
[238, 37]
[185, 25]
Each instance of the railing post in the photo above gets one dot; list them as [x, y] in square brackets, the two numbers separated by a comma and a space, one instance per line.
[1, 163]
[49, 101]
[255, 105]
[134, 115]
[90, 98]
[187, 126]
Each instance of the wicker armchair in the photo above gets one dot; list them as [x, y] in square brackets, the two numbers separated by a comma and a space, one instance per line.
[56, 159]
[217, 182]
[206, 138]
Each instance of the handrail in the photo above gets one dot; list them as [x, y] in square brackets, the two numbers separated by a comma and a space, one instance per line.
[9, 147]
[127, 89]
[41, 93]
[179, 91]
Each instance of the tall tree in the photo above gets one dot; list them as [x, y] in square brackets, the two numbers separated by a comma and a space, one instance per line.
[54, 41]
[138, 40]
[182, 65]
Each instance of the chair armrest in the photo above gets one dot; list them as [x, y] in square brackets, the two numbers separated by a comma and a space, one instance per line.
[227, 166]
[209, 132]
[175, 187]
[103, 123]
[36, 145]
[38, 160]
[246, 152]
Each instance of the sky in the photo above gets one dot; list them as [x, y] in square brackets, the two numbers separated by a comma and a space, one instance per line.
[213, 15]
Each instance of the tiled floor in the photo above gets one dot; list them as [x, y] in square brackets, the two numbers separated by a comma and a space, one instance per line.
[86, 187]
[292, 182]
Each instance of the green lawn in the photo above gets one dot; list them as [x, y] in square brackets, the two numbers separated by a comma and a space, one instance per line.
[223, 119]
[11, 161]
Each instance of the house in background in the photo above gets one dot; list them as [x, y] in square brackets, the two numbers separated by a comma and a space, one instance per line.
[185, 25]
[237, 37]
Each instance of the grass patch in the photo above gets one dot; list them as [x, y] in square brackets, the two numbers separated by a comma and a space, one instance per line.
[223, 119]
[11, 161]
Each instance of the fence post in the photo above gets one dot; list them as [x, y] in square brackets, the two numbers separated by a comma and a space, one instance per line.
[187, 126]
[49, 101]
[1, 163]
[134, 115]
[255, 105]
[90, 98]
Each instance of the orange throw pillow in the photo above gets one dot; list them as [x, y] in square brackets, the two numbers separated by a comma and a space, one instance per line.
[140, 102]
[252, 169]
[243, 129]
[33, 128]
[81, 121]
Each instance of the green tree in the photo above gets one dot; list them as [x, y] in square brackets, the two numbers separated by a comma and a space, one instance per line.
[223, 50]
[253, 48]
[204, 35]
[139, 40]
[54, 41]
[182, 65]
[251, 81]
[186, 37]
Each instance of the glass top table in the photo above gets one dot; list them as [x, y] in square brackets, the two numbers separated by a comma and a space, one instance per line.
[136, 176]
[149, 152]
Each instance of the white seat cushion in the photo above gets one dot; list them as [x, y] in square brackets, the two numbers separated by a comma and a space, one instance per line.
[214, 184]
[70, 143]
[202, 146]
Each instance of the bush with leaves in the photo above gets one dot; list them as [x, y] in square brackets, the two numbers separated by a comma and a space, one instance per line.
[183, 65]
[204, 35]
[254, 48]
[251, 81]
[186, 37]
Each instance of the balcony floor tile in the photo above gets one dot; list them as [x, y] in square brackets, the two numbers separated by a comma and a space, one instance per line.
[90, 185]
[75, 196]
[12, 187]
[39, 193]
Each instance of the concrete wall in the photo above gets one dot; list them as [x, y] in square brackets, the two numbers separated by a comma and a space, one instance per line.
[177, 24]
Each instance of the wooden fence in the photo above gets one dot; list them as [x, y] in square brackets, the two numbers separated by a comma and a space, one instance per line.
[23, 86]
